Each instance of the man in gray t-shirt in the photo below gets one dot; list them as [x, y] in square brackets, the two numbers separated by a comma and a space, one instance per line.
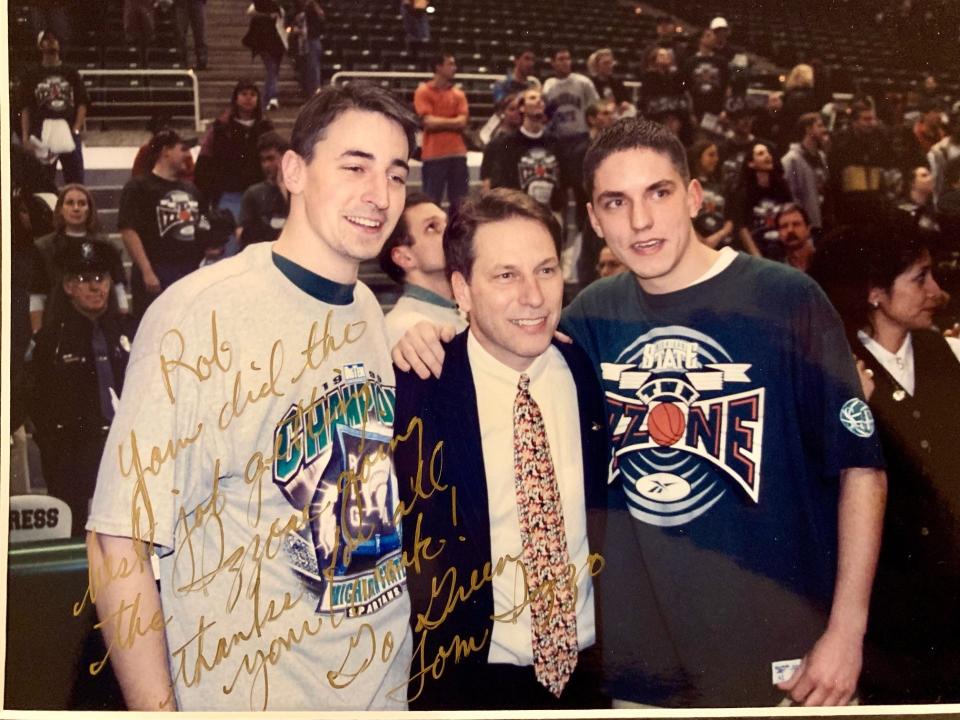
[250, 454]
[568, 95]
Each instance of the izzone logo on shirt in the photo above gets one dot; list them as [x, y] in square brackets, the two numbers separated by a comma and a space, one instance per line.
[687, 427]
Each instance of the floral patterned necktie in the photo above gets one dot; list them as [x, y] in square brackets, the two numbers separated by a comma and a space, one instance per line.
[550, 578]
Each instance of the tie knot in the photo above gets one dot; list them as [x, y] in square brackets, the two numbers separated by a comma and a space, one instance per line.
[524, 384]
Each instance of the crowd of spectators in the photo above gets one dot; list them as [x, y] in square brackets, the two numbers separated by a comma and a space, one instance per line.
[790, 175]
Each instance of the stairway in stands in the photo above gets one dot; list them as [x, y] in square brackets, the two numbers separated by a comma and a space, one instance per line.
[230, 61]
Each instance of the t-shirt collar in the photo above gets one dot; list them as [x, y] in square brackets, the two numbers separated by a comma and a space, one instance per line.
[316, 286]
[428, 296]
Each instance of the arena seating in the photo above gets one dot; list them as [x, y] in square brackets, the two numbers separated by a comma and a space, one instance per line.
[860, 52]
[97, 47]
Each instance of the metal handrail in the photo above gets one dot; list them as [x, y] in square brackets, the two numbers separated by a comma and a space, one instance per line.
[399, 74]
[158, 73]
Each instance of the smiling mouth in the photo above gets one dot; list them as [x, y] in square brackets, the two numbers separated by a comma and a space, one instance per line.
[364, 222]
[532, 322]
[647, 246]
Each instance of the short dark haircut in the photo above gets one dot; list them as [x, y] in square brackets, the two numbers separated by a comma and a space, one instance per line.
[913, 172]
[560, 49]
[629, 134]
[272, 141]
[951, 175]
[441, 57]
[488, 207]
[400, 237]
[328, 104]
[805, 122]
[522, 48]
[791, 207]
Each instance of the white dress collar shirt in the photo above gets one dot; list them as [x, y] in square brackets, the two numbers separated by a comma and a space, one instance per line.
[553, 389]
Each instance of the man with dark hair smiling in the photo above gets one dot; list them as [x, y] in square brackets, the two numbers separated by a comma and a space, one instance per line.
[523, 484]
[274, 508]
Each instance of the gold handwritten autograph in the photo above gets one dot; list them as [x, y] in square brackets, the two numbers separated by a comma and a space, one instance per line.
[200, 555]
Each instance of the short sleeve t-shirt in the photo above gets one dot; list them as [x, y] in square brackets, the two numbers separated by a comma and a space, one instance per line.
[52, 93]
[706, 79]
[517, 160]
[447, 103]
[267, 488]
[567, 101]
[164, 213]
[733, 406]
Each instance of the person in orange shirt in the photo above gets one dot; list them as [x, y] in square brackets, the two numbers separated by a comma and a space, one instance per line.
[443, 110]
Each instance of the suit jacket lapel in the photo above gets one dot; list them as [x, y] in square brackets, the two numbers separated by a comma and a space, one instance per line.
[456, 405]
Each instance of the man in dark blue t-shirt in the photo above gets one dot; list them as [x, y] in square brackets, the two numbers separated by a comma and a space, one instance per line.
[742, 452]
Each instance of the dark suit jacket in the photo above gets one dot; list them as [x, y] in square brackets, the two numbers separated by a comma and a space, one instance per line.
[448, 408]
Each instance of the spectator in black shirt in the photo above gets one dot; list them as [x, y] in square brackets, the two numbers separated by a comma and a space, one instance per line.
[761, 194]
[264, 209]
[600, 67]
[707, 77]
[712, 223]
[53, 96]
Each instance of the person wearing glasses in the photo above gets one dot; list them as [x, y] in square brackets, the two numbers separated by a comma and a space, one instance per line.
[77, 369]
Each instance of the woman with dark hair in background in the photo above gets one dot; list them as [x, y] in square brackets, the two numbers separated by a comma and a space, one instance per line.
[229, 161]
[880, 280]
[712, 223]
[760, 193]
[75, 221]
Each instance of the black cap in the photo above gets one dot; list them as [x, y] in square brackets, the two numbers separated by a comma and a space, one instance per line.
[89, 256]
[167, 138]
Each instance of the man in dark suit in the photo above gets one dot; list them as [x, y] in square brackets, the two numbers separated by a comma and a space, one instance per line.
[501, 488]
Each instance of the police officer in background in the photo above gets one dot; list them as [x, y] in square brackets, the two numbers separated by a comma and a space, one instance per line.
[78, 367]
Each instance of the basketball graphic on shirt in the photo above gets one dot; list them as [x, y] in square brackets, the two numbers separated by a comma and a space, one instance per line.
[666, 423]
[686, 425]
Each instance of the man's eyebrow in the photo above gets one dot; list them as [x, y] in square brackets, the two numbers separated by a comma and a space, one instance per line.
[364, 155]
[610, 195]
[662, 185]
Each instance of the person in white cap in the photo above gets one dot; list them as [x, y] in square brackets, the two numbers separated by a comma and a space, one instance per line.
[721, 28]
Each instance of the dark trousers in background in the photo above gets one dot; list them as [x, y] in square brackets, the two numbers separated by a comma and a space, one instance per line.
[192, 13]
[70, 462]
[450, 173]
[70, 163]
[500, 686]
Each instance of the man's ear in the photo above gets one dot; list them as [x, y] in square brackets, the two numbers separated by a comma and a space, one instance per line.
[402, 256]
[593, 220]
[293, 171]
[694, 197]
[461, 291]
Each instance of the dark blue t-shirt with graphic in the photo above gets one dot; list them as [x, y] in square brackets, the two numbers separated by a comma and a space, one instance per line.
[732, 406]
